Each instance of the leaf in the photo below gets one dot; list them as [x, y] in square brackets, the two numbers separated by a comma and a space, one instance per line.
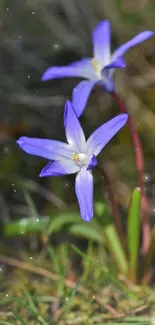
[18, 317]
[60, 220]
[87, 231]
[150, 254]
[30, 203]
[30, 300]
[109, 275]
[87, 262]
[26, 225]
[55, 261]
[137, 319]
[18, 301]
[128, 323]
[68, 304]
[58, 268]
[112, 240]
[3, 322]
[133, 233]
[33, 307]
[41, 224]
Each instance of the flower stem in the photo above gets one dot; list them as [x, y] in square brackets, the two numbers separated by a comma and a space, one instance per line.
[141, 178]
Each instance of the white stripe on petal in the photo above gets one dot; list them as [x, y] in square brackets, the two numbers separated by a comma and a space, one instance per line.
[50, 149]
[101, 43]
[82, 68]
[74, 132]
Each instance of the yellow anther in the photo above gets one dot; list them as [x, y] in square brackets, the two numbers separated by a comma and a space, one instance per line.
[76, 156]
[96, 65]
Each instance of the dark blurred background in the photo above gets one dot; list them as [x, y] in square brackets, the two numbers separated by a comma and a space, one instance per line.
[35, 34]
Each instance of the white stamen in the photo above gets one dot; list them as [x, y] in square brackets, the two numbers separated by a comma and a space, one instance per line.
[97, 67]
[81, 158]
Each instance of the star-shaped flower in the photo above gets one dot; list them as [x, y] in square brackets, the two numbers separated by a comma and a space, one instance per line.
[76, 156]
[99, 69]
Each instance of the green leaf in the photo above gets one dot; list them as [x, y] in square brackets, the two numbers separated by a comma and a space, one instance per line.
[18, 317]
[68, 304]
[30, 203]
[109, 275]
[18, 301]
[87, 231]
[29, 300]
[133, 233]
[128, 323]
[55, 259]
[3, 322]
[60, 220]
[150, 254]
[55, 262]
[138, 319]
[33, 306]
[26, 225]
[112, 240]
[41, 224]
[87, 262]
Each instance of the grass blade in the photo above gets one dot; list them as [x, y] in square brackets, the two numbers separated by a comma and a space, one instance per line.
[19, 302]
[109, 275]
[112, 240]
[55, 262]
[87, 262]
[71, 297]
[87, 231]
[30, 301]
[18, 317]
[133, 234]
[57, 268]
[25, 226]
[149, 256]
[60, 220]
[30, 203]
[3, 322]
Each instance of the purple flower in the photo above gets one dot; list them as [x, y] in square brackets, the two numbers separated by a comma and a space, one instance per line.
[76, 156]
[99, 69]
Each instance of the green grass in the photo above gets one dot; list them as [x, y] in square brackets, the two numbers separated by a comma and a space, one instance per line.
[93, 296]
[63, 284]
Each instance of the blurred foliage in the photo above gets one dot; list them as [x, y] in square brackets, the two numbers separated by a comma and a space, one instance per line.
[37, 34]
[34, 35]
[49, 293]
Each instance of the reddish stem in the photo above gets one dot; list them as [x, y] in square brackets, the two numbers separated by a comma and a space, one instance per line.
[141, 179]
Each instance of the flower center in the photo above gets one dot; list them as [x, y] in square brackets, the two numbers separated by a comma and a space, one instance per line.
[80, 158]
[97, 67]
